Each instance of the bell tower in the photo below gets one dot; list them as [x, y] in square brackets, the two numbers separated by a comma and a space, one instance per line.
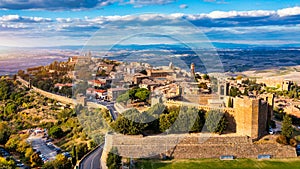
[193, 69]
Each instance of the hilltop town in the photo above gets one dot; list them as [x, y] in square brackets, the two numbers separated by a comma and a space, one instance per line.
[143, 100]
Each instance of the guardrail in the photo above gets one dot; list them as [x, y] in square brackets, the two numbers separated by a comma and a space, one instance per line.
[79, 165]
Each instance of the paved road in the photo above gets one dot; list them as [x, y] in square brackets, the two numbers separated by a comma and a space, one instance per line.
[92, 161]
[110, 106]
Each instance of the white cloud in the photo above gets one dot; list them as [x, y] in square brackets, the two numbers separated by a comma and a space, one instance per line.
[239, 23]
[17, 18]
[9, 18]
[73, 4]
[289, 11]
[183, 6]
[230, 14]
[140, 3]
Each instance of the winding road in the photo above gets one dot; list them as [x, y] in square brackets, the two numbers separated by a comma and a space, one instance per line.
[92, 161]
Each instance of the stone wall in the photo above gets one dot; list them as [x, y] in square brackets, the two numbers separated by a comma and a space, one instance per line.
[59, 98]
[189, 146]
[249, 117]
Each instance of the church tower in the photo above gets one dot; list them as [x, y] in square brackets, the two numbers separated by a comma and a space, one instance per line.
[193, 69]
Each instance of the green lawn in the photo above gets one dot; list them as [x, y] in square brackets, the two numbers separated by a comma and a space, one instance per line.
[218, 164]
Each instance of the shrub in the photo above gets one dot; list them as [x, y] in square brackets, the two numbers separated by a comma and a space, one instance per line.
[56, 132]
[281, 140]
[293, 142]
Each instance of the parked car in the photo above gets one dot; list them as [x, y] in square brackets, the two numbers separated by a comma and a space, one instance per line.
[58, 150]
[49, 140]
[271, 131]
[67, 154]
[20, 165]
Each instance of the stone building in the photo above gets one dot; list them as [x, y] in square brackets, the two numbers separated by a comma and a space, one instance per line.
[251, 116]
[286, 85]
[114, 93]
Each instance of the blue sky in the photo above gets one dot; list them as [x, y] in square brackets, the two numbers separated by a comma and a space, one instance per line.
[32, 23]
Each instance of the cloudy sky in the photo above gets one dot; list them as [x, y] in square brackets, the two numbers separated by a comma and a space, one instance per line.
[38, 23]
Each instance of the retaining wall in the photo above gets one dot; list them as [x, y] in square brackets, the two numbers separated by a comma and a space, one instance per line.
[186, 146]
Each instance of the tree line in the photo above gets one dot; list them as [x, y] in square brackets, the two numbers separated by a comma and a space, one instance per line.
[159, 119]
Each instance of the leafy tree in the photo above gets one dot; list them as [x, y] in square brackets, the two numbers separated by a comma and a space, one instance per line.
[28, 153]
[187, 120]
[56, 132]
[230, 104]
[142, 94]
[287, 128]
[131, 93]
[113, 160]
[12, 143]
[36, 160]
[4, 132]
[234, 92]
[81, 150]
[49, 165]
[66, 113]
[166, 120]
[6, 87]
[199, 122]
[130, 122]
[123, 98]
[205, 77]
[215, 121]
[157, 109]
[74, 155]
[10, 109]
[6, 164]
[60, 162]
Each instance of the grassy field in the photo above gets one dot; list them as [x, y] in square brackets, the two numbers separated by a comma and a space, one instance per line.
[218, 164]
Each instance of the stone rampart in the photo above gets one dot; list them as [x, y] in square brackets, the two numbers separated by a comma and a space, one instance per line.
[187, 146]
[59, 98]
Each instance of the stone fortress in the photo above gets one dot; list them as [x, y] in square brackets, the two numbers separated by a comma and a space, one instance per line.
[248, 121]
[251, 115]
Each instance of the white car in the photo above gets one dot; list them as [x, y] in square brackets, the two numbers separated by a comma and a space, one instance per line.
[20, 165]
[271, 131]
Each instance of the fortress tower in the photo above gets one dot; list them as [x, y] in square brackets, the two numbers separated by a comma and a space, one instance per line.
[251, 116]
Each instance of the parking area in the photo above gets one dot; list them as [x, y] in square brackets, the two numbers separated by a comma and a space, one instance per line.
[4, 153]
[43, 145]
[40, 146]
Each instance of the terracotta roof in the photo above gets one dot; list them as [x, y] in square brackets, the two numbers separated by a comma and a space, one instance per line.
[100, 91]
[96, 82]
